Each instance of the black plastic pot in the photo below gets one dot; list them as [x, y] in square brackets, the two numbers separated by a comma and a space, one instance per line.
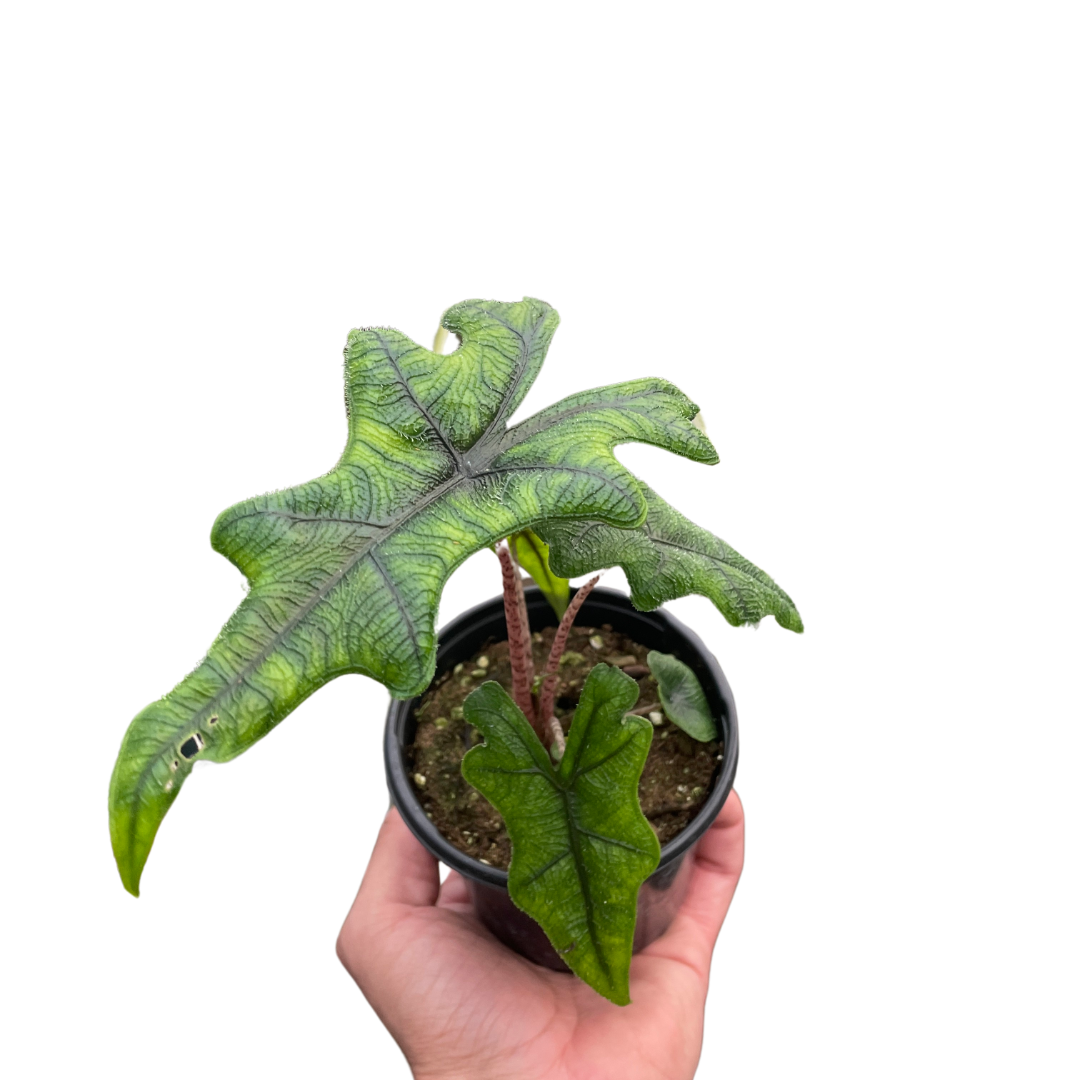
[663, 892]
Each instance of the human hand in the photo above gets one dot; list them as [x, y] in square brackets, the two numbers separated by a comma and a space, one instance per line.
[462, 1005]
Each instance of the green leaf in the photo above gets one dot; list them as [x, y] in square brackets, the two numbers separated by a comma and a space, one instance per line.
[532, 555]
[346, 571]
[580, 845]
[666, 557]
[682, 696]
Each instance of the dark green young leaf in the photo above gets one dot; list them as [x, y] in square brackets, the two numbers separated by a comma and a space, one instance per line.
[532, 555]
[581, 847]
[346, 571]
[666, 557]
[682, 696]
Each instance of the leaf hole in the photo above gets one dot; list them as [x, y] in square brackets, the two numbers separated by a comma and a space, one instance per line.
[193, 745]
[213, 719]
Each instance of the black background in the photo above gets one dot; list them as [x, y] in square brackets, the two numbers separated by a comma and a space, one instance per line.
[223, 379]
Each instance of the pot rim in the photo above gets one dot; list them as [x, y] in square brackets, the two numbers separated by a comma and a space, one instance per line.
[403, 796]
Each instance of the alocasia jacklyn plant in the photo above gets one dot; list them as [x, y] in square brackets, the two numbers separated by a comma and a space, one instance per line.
[346, 571]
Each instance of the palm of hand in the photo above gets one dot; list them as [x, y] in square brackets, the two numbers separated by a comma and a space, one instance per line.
[462, 1005]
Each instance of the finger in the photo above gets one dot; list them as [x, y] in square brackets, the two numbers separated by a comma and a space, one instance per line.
[718, 861]
[401, 870]
[720, 850]
[454, 892]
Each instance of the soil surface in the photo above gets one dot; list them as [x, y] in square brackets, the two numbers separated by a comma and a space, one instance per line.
[676, 780]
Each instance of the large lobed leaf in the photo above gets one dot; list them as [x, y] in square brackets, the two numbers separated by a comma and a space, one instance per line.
[666, 557]
[580, 845]
[346, 571]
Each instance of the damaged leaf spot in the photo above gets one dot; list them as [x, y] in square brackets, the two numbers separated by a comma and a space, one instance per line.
[213, 719]
[193, 745]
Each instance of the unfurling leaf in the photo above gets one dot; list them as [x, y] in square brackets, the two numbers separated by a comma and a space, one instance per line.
[532, 555]
[580, 845]
[682, 696]
[346, 571]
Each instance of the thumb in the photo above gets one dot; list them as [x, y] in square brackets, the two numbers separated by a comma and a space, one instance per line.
[401, 870]
[400, 873]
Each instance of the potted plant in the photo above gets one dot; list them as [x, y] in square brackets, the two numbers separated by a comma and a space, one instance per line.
[436, 783]
[345, 575]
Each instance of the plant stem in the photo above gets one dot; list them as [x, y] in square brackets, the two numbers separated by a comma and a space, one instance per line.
[558, 739]
[644, 710]
[546, 710]
[519, 640]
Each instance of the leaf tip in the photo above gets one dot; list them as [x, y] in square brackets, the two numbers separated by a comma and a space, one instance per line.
[131, 880]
